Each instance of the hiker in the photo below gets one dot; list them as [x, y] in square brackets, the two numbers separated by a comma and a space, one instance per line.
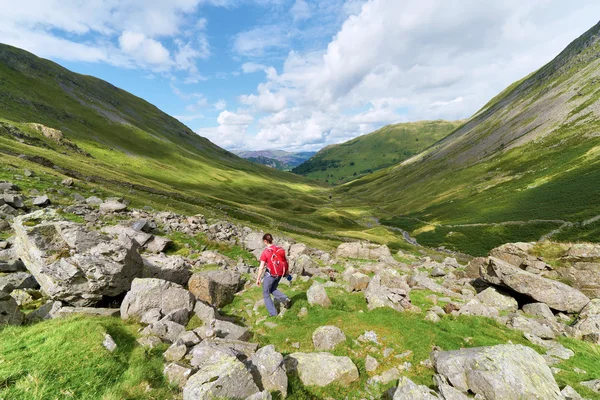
[273, 258]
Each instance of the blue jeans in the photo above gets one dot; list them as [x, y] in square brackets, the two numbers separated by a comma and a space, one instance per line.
[270, 288]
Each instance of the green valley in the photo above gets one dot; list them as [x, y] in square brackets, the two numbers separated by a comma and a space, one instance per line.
[387, 146]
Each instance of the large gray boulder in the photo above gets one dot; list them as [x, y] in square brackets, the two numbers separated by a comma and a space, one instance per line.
[388, 289]
[503, 372]
[155, 296]
[170, 268]
[226, 378]
[9, 311]
[316, 295]
[215, 287]
[322, 369]
[493, 297]
[327, 337]
[589, 318]
[408, 390]
[17, 280]
[555, 294]
[269, 365]
[363, 250]
[74, 264]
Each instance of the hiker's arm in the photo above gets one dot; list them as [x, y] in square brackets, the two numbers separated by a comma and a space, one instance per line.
[261, 270]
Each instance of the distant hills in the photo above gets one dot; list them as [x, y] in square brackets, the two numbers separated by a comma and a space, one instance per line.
[365, 154]
[278, 159]
[525, 166]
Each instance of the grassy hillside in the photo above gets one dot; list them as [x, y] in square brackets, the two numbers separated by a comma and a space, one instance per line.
[524, 166]
[387, 146]
[129, 142]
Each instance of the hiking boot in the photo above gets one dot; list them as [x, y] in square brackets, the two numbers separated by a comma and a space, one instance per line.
[287, 303]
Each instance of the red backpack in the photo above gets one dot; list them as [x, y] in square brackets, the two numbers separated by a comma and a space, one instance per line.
[278, 265]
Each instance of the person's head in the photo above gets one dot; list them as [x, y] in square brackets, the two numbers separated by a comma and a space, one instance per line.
[267, 239]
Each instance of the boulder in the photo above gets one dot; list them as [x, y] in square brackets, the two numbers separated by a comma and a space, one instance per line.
[388, 289]
[592, 385]
[41, 201]
[322, 369]
[264, 395]
[94, 201]
[17, 280]
[588, 321]
[408, 390]
[12, 200]
[215, 287]
[176, 351]
[530, 325]
[503, 372]
[109, 343]
[141, 238]
[158, 244]
[296, 250]
[166, 330]
[477, 308]
[229, 330]
[499, 299]
[112, 206]
[226, 378]
[47, 311]
[73, 264]
[570, 394]
[253, 241]
[169, 268]
[371, 364]
[9, 311]
[316, 295]
[555, 294]
[303, 263]
[269, 365]
[150, 294]
[539, 310]
[358, 281]
[211, 257]
[327, 337]
[363, 250]
[177, 374]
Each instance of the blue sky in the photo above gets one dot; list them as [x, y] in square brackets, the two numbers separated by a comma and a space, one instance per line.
[300, 74]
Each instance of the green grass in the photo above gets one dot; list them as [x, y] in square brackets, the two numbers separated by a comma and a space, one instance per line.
[65, 359]
[387, 146]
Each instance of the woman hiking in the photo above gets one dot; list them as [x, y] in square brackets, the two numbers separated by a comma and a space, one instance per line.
[275, 261]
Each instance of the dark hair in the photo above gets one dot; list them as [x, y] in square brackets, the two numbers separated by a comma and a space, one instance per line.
[268, 237]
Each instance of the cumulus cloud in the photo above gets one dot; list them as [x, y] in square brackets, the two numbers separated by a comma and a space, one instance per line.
[231, 132]
[300, 10]
[394, 61]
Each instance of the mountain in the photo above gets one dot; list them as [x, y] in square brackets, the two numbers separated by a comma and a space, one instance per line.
[387, 146]
[523, 167]
[114, 136]
[277, 159]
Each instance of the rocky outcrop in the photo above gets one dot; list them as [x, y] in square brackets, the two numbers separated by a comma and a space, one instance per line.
[588, 321]
[151, 299]
[408, 390]
[169, 268]
[503, 372]
[363, 250]
[215, 287]
[555, 294]
[74, 264]
[322, 369]
[225, 378]
[388, 289]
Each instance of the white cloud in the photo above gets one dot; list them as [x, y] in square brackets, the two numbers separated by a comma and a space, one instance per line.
[144, 49]
[394, 61]
[220, 104]
[252, 67]
[257, 41]
[231, 132]
[300, 10]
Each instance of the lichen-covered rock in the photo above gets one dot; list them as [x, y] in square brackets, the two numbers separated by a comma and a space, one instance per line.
[322, 369]
[155, 295]
[17, 280]
[74, 264]
[408, 390]
[9, 311]
[327, 337]
[555, 294]
[388, 289]
[215, 287]
[363, 250]
[498, 299]
[589, 318]
[316, 295]
[271, 369]
[503, 372]
[226, 378]
[358, 281]
[177, 373]
[170, 268]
